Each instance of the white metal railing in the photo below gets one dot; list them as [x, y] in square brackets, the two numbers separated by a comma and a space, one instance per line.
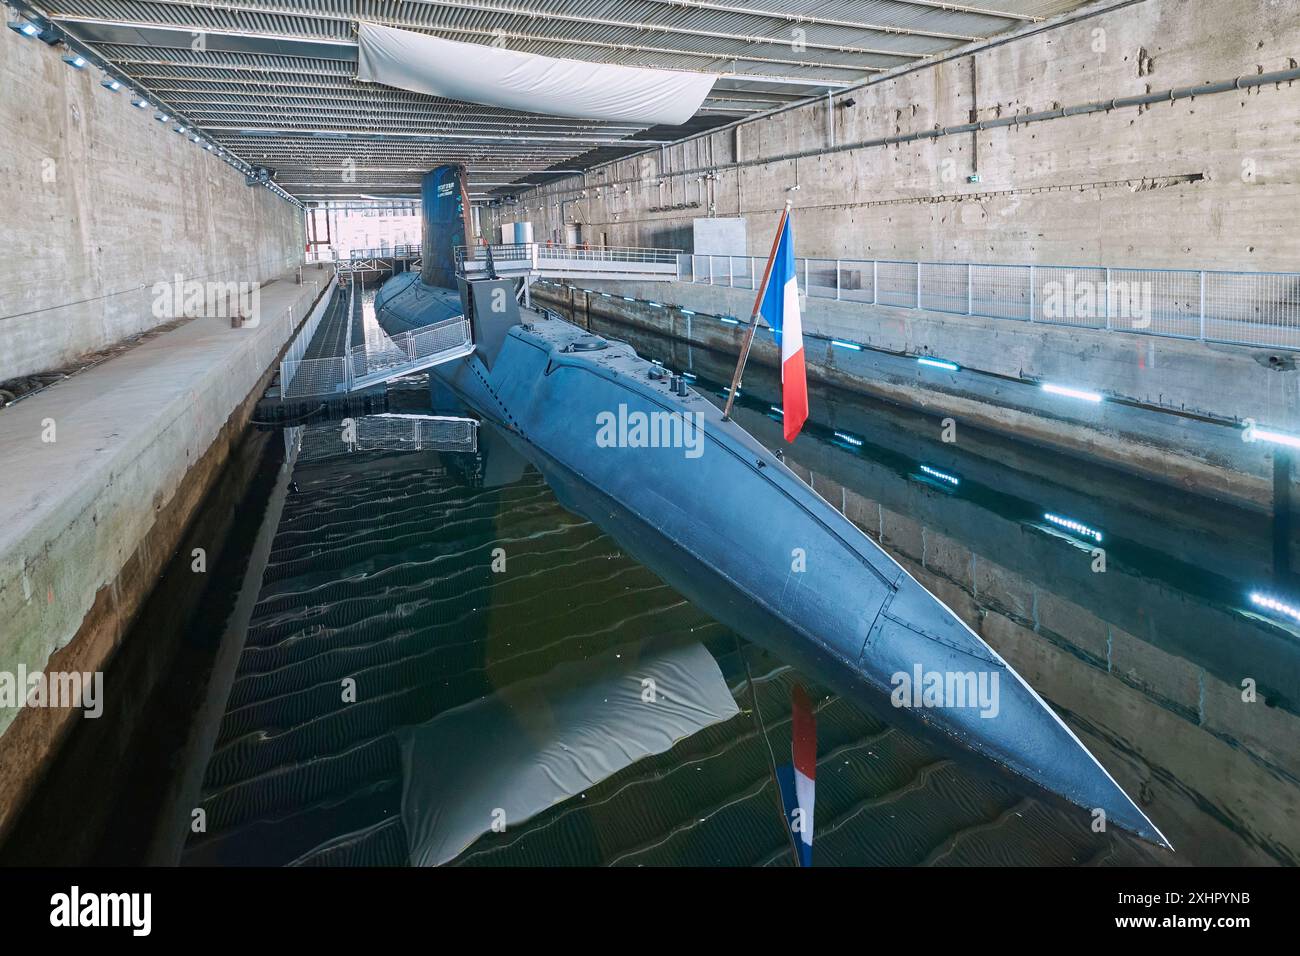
[404, 251]
[369, 364]
[1245, 308]
[387, 432]
[588, 253]
[291, 361]
[536, 253]
[336, 254]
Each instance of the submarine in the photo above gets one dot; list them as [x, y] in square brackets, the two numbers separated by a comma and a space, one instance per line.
[631, 447]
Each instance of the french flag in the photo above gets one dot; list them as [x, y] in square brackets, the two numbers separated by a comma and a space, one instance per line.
[781, 310]
[798, 780]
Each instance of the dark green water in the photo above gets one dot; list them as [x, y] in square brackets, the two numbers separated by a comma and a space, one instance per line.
[378, 609]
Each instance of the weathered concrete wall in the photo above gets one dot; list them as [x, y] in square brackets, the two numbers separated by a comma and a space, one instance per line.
[1222, 381]
[1147, 671]
[106, 470]
[98, 202]
[1207, 182]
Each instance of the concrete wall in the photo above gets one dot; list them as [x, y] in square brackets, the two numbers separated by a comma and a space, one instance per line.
[98, 202]
[1148, 709]
[1208, 182]
[1173, 402]
[93, 510]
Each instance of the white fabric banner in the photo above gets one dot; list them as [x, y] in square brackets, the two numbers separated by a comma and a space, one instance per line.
[525, 81]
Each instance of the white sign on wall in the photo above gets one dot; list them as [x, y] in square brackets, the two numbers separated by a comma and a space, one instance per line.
[721, 237]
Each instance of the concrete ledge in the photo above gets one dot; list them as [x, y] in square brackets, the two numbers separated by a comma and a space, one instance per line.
[1182, 396]
[88, 519]
[1222, 381]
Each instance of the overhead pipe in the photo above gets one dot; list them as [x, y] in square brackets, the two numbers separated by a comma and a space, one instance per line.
[1249, 81]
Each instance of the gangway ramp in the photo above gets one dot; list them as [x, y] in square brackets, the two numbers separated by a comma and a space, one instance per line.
[349, 363]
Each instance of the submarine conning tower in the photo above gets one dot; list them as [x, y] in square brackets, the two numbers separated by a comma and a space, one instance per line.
[445, 223]
[408, 303]
[488, 303]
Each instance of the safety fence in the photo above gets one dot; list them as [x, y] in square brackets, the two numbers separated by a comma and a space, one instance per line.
[1245, 308]
[388, 432]
[539, 252]
[291, 361]
[378, 361]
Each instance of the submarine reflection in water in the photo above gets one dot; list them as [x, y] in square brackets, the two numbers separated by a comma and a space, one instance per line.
[381, 571]
[727, 524]
[470, 681]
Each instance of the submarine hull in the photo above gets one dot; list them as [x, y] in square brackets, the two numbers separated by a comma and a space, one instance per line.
[699, 501]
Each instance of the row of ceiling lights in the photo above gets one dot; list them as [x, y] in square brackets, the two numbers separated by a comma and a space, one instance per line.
[53, 36]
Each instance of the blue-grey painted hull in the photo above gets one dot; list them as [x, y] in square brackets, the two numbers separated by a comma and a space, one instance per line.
[406, 303]
[728, 527]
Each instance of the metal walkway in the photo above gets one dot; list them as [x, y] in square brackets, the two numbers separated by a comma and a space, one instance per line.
[391, 259]
[537, 260]
[338, 360]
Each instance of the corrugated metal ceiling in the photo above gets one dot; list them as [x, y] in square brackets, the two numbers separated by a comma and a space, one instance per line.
[273, 80]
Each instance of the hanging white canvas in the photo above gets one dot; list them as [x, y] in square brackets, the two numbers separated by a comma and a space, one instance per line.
[492, 76]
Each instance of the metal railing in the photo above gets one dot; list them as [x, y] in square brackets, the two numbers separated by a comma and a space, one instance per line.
[1243, 308]
[365, 365]
[291, 361]
[387, 432]
[405, 251]
[409, 351]
[539, 252]
[334, 254]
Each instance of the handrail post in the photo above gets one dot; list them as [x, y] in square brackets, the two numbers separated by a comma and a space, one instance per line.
[1202, 305]
[837, 280]
[1108, 316]
[1031, 293]
[875, 281]
[918, 284]
[969, 294]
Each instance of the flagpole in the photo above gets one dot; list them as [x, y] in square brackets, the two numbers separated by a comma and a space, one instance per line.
[753, 318]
